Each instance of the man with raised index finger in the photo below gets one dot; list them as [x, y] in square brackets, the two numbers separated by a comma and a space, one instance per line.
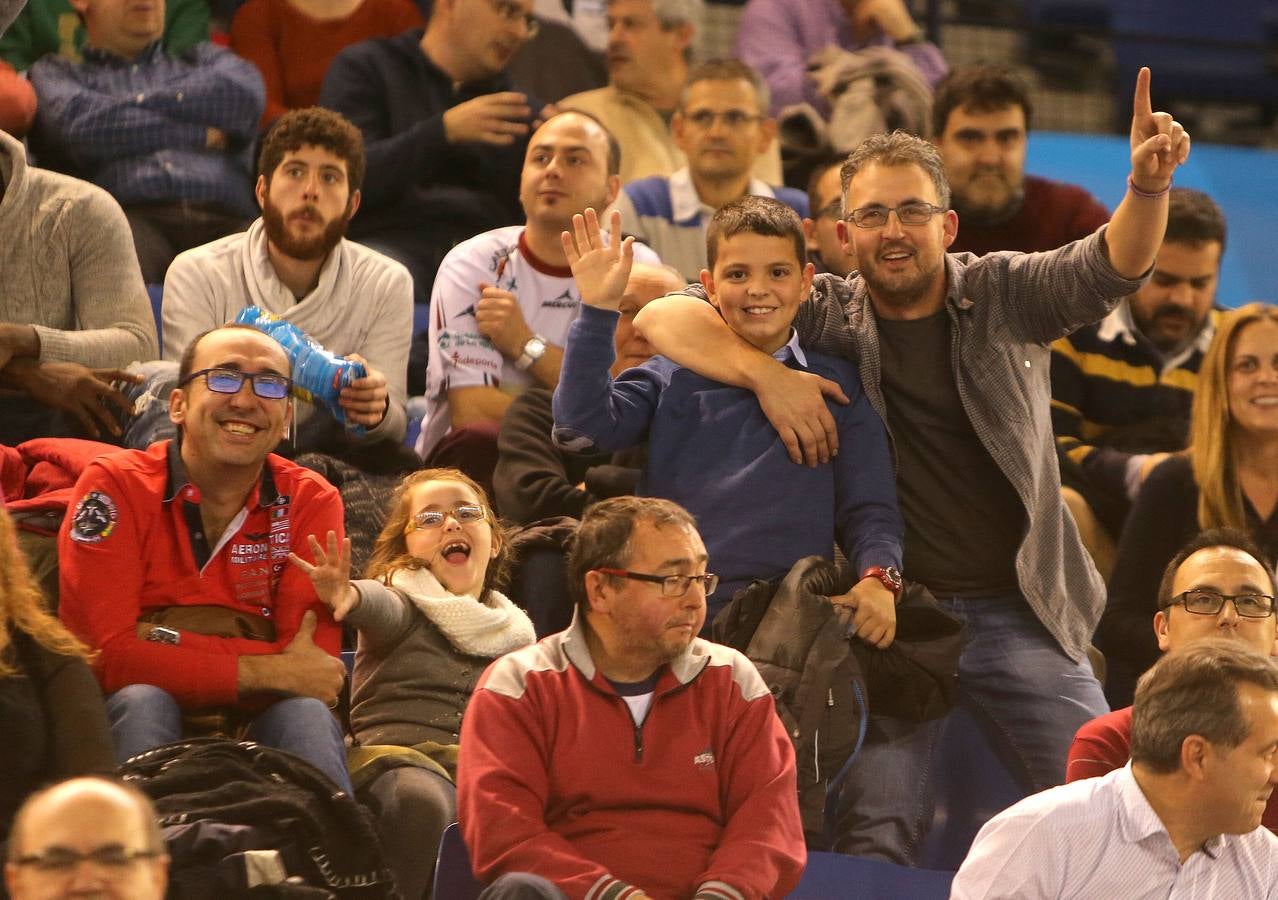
[953, 355]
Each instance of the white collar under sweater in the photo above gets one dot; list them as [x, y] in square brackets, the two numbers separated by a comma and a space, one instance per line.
[478, 629]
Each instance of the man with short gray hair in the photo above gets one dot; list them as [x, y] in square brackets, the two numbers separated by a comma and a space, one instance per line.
[1181, 819]
[650, 50]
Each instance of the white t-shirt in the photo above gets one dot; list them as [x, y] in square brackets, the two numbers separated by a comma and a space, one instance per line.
[462, 357]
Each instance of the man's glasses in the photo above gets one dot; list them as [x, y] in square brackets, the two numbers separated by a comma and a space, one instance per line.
[60, 860]
[266, 385]
[1209, 603]
[433, 518]
[732, 118]
[906, 214]
[514, 13]
[671, 585]
[832, 210]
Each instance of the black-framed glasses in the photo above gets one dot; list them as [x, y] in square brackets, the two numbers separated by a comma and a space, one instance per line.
[267, 385]
[732, 118]
[514, 13]
[906, 214]
[464, 513]
[1202, 602]
[61, 860]
[671, 585]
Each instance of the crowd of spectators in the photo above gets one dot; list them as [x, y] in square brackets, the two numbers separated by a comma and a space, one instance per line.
[596, 375]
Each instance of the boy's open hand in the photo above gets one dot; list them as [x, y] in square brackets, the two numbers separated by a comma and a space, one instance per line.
[600, 268]
[331, 574]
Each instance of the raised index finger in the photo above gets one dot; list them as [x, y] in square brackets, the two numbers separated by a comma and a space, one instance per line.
[1141, 105]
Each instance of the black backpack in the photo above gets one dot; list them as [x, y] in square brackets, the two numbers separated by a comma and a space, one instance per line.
[244, 820]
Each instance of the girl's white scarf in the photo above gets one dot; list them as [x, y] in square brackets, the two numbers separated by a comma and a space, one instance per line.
[477, 629]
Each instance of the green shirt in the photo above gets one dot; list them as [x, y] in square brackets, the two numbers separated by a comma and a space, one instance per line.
[52, 26]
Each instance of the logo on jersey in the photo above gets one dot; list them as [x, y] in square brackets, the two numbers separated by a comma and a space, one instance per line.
[704, 759]
[94, 519]
[564, 301]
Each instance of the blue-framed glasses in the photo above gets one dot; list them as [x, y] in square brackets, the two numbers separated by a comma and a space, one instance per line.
[267, 385]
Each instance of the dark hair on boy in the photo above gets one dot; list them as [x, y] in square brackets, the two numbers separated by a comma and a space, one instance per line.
[981, 89]
[316, 127]
[755, 215]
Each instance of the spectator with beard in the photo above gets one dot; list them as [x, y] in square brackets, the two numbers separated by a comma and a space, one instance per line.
[296, 263]
[981, 116]
[1122, 387]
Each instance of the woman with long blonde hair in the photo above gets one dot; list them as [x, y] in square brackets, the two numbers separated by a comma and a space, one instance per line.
[430, 620]
[1227, 477]
[51, 713]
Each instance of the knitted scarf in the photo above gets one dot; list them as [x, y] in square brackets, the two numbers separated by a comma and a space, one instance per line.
[477, 629]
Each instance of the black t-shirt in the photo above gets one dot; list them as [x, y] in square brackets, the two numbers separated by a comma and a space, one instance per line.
[963, 519]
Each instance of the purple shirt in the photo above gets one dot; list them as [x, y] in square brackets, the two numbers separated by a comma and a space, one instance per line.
[778, 37]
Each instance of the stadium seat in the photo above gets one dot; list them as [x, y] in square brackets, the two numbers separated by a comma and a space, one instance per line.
[831, 876]
[453, 877]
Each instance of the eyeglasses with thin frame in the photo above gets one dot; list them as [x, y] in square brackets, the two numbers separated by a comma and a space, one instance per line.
[671, 585]
[731, 118]
[832, 210]
[427, 519]
[514, 13]
[1202, 602]
[907, 214]
[267, 385]
[62, 860]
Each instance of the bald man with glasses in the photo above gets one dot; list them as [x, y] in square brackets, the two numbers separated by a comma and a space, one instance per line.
[174, 568]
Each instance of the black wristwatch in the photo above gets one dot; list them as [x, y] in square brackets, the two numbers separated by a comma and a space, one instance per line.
[889, 576]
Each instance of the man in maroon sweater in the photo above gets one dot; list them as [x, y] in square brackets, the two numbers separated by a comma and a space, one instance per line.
[981, 117]
[1218, 585]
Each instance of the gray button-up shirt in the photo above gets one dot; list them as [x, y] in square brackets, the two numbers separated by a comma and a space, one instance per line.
[1005, 309]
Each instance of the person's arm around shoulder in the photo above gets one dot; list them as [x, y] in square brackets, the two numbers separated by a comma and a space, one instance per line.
[761, 852]
[689, 331]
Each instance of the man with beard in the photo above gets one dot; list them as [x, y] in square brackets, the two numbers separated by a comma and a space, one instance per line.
[625, 756]
[1122, 388]
[952, 351]
[503, 300]
[294, 262]
[981, 117]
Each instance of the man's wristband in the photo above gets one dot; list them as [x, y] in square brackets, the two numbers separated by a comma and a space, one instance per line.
[1146, 195]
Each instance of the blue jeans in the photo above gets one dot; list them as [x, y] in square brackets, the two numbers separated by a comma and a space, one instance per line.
[1013, 678]
[144, 716]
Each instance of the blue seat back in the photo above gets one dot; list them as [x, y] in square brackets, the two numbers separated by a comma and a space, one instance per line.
[830, 876]
[453, 877]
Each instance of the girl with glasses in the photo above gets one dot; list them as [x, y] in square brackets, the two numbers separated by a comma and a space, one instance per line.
[430, 619]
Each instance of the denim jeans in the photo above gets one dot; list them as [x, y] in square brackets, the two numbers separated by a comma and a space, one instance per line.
[144, 716]
[1013, 678]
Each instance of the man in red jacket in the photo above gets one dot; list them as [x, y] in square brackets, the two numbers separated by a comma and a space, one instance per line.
[626, 757]
[1218, 585]
[174, 567]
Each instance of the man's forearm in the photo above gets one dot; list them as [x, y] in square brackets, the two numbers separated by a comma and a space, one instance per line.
[266, 672]
[691, 333]
[1135, 233]
[472, 405]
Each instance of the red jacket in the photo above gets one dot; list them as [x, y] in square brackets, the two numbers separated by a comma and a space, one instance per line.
[555, 779]
[132, 543]
[38, 478]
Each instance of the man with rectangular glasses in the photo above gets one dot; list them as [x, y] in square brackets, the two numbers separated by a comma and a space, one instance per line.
[952, 351]
[1218, 585]
[86, 837]
[174, 568]
[626, 757]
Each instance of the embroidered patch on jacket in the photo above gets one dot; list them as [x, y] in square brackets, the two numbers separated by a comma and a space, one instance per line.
[704, 759]
[94, 518]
